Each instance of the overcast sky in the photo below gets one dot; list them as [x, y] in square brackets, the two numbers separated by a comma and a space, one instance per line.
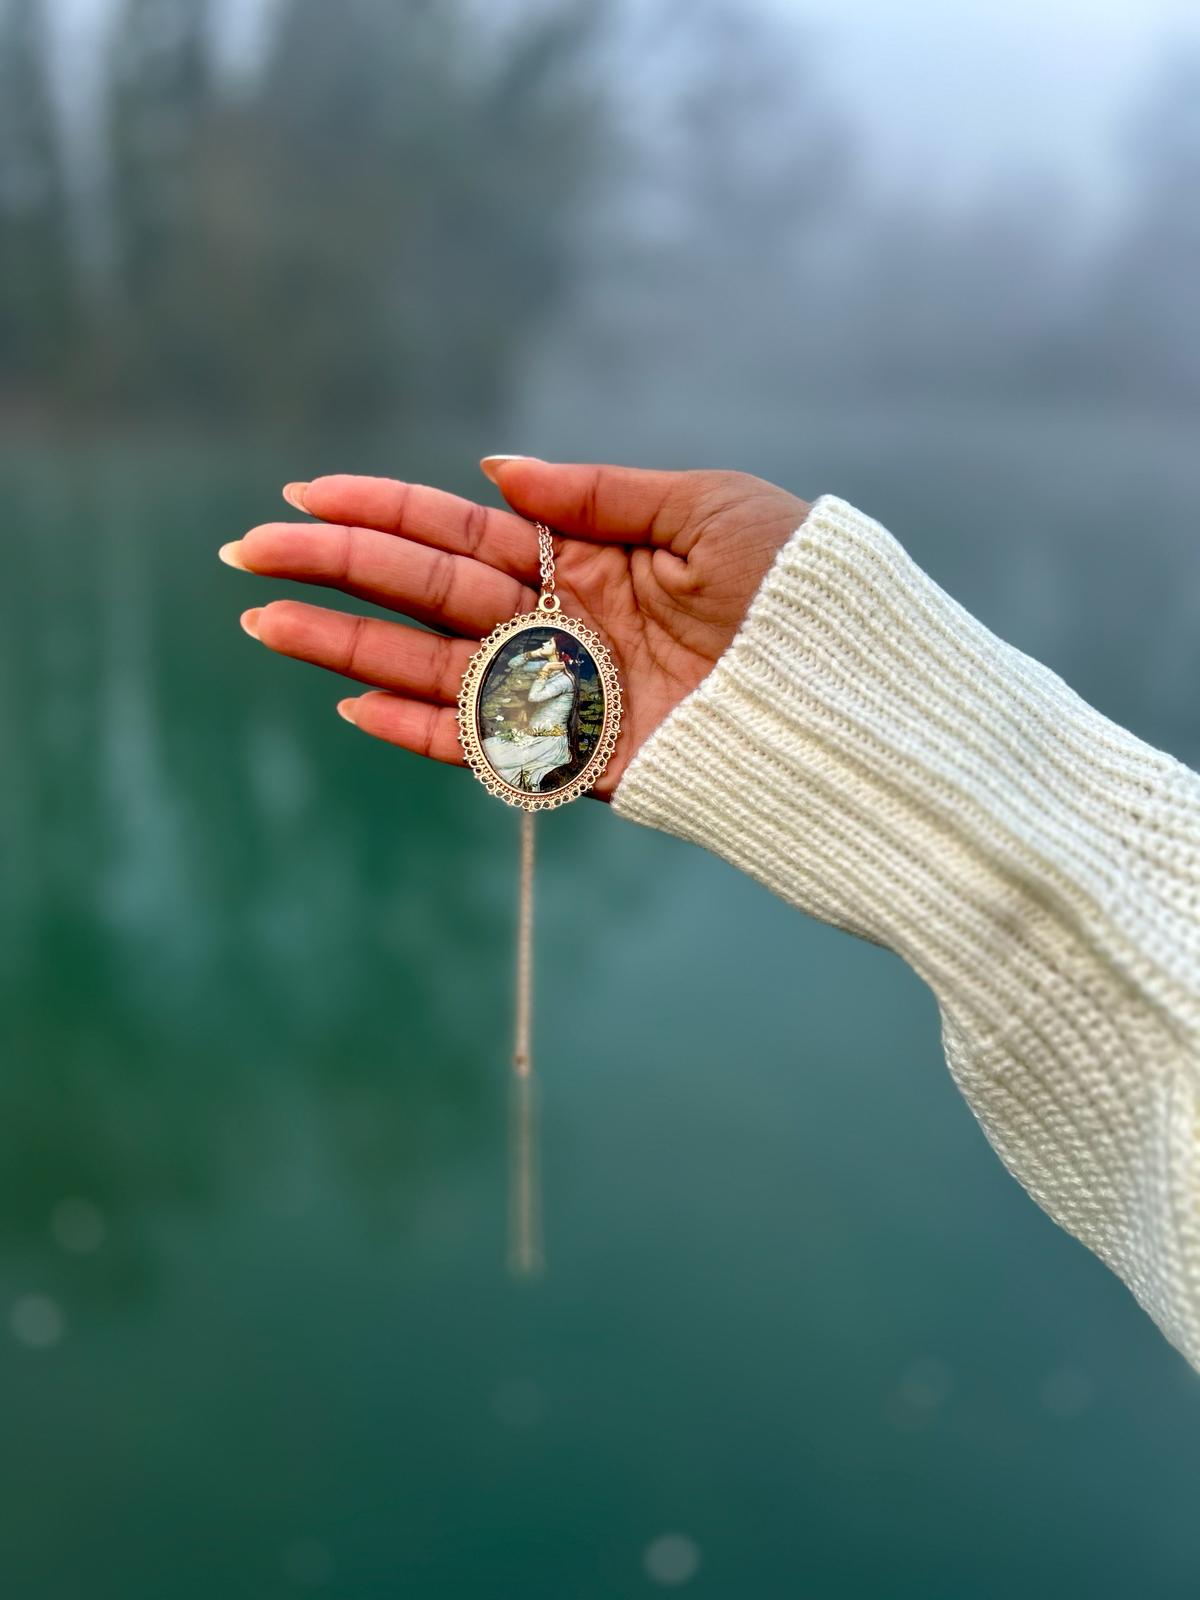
[964, 87]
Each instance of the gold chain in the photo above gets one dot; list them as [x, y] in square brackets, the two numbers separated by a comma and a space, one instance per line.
[524, 1204]
[547, 600]
[522, 1051]
[524, 1185]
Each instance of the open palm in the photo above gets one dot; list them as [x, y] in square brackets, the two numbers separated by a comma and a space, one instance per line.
[662, 564]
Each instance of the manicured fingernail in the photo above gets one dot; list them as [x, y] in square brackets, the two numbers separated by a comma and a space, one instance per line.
[489, 464]
[249, 621]
[346, 709]
[293, 493]
[231, 555]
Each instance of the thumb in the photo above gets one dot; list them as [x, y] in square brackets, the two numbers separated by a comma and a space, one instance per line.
[625, 505]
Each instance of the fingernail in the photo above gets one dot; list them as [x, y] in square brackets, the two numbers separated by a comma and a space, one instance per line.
[346, 709]
[249, 621]
[293, 493]
[231, 555]
[489, 464]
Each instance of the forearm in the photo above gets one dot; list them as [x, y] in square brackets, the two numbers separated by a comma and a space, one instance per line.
[871, 752]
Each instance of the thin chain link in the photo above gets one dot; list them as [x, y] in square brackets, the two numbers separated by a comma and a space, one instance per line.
[524, 1186]
[546, 558]
[524, 1204]
[523, 1009]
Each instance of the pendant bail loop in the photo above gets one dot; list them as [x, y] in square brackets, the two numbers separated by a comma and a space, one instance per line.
[549, 602]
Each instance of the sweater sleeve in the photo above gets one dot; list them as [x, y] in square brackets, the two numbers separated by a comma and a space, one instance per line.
[869, 751]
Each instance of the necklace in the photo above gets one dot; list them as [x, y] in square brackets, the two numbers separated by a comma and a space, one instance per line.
[539, 711]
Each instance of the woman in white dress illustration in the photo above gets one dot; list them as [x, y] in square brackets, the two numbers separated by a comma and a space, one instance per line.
[544, 737]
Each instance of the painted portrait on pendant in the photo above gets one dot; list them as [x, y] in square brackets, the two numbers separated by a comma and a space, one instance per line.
[540, 710]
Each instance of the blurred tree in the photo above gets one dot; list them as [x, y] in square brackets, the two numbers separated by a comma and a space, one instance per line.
[420, 200]
[161, 104]
[365, 231]
[736, 172]
[961, 304]
[378, 220]
[37, 294]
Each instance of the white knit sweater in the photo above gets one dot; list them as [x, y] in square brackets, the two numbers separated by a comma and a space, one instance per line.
[872, 753]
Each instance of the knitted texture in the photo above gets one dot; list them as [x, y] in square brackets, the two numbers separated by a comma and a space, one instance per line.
[867, 749]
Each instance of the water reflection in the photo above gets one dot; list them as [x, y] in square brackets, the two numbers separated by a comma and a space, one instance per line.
[210, 893]
[256, 988]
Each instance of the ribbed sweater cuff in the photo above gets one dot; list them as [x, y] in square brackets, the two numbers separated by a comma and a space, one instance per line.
[873, 753]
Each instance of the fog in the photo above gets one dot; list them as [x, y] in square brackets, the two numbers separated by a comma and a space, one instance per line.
[987, 203]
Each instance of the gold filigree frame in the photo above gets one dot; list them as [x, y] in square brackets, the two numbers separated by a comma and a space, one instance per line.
[468, 703]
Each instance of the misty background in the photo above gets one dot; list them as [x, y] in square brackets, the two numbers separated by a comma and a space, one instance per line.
[800, 1334]
[308, 214]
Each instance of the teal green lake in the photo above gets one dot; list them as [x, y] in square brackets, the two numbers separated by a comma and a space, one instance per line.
[800, 1334]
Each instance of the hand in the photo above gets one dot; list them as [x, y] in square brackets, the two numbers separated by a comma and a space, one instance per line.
[662, 564]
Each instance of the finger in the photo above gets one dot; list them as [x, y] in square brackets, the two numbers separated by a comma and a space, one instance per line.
[630, 505]
[385, 654]
[430, 516]
[412, 724]
[450, 591]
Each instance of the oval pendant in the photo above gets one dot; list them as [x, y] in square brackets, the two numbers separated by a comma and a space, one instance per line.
[539, 709]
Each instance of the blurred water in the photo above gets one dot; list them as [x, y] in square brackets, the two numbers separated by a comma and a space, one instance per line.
[800, 1335]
